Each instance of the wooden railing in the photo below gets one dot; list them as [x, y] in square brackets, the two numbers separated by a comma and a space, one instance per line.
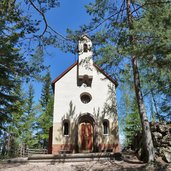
[37, 151]
[25, 152]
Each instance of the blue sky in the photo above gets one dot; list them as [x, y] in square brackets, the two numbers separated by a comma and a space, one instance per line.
[70, 14]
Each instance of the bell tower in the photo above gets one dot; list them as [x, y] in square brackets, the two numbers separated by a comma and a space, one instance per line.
[85, 66]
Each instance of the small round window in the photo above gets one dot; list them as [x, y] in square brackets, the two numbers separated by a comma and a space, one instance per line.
[85, 97]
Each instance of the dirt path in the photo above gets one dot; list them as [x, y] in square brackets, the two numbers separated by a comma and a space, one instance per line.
[85, 166]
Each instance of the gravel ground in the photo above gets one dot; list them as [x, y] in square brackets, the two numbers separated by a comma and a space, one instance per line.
[85, 166]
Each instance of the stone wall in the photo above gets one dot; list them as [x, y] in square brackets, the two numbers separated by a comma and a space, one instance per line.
[161, 134]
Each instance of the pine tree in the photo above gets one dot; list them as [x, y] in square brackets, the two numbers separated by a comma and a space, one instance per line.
[14, 128]
[11, 63]
[46, 113]
[147, 137]
[46, 91]
[28, 120]
[153, 47]
[14, 27]
[133, 123]
[127, 94]
[10, 138]
[18, 31]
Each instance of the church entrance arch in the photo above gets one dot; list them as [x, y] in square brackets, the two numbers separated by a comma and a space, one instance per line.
[86, 124]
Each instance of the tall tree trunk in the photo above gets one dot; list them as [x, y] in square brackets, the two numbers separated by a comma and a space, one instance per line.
[148, 143]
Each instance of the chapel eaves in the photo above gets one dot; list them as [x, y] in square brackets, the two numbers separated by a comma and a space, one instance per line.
[95, 65]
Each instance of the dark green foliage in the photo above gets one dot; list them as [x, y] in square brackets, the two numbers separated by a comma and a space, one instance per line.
[46, 91]
[11, 134]
[127, 94]
[16, 32]
[165, 105]
[20, 130]
[13, 65]
[132, 123]
[21, 52]
[46, 112]
[153, 33]
[129, 117]
[153, 48]
[156, 86]
[29, 120]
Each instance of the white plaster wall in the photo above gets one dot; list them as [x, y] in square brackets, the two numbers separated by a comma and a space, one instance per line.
[66, 91]
[85, 64]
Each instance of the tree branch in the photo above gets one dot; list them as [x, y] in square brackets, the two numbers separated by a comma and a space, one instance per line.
[57, 33]
[43, 16]
[45, 21]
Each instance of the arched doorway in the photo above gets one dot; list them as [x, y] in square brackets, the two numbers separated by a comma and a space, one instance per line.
[86, 124]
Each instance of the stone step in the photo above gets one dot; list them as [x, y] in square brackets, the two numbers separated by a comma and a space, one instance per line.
[51, 161]
[79, 157]
[61, 158]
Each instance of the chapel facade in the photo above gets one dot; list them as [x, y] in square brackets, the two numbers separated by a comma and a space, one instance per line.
[85, 111]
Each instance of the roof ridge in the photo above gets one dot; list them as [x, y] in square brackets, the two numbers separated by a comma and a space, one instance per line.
[75, 63]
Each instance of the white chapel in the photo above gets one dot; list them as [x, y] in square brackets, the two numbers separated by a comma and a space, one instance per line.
[85, 112]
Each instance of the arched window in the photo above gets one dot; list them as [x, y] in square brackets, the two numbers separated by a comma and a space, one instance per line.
[105, 127]
[66, 127]
[85, 47]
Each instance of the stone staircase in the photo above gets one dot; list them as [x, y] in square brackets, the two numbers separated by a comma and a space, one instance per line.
[79, 157]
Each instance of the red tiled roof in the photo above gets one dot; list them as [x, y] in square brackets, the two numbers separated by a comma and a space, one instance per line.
[74, 64]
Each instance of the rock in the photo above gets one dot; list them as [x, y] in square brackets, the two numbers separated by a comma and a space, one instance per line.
[161, 134]
[162, 128]
[157, 135]
[167, 155]
[169, 143]
[156, 143]
[167, 138]
[166, 141]
[164, 145]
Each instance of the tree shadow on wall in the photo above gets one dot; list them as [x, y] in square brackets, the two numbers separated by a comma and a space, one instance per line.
[68, 142]
[109, 113]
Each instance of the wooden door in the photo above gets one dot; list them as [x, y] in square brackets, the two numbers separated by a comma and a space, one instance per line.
[86, 137]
